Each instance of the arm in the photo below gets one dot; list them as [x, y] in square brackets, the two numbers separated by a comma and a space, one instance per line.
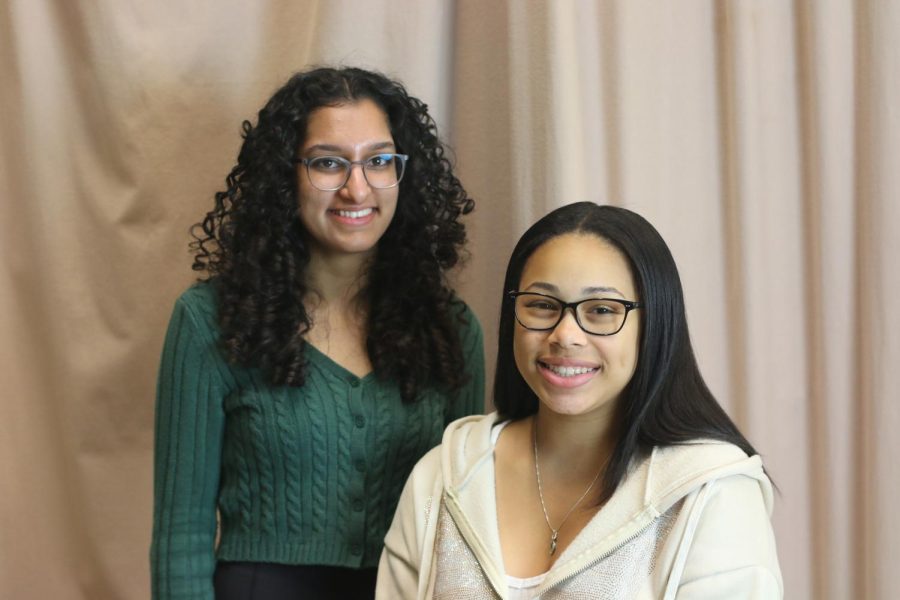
[187, 451]
[469, 400]
[411, 535]
[398, 568]
[732, 554]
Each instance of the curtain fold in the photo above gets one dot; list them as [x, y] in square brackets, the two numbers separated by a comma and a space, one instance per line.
[760, 138]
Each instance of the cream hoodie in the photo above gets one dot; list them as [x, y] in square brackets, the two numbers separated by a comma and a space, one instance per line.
[690, 522]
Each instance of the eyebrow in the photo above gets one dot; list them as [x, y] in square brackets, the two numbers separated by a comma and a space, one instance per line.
[338, 149]
[600, 289]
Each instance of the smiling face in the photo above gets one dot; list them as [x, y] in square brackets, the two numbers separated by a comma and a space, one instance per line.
[352, 219]
[570, 371]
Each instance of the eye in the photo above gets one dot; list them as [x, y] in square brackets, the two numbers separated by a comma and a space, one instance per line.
[380, 161]
[327, 163]
[602, 309]
[541, 304]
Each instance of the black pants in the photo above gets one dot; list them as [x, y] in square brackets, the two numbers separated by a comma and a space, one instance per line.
[268, 581]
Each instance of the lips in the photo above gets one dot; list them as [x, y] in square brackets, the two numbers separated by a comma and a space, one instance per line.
[567, 374]
[353, 214]
[353, 217]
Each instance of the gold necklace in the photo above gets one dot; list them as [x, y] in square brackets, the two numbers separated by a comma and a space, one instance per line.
[554, 532]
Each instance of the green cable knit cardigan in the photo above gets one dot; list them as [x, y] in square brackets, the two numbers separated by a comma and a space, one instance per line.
[307, 475]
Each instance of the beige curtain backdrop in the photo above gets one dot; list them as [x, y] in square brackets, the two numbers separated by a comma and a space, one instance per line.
[760, 136]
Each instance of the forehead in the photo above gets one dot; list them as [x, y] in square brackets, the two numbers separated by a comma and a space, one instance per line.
[361, 121]
[575, 261]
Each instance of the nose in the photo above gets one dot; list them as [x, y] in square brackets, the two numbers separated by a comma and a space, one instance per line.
[567, 332]
[357, 188]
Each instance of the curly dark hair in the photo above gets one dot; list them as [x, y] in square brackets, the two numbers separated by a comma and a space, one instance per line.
[255, 252]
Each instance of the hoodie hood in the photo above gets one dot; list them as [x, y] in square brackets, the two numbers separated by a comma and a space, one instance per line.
[660, 480]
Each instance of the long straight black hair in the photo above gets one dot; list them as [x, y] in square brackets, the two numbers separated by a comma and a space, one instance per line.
[666, 402]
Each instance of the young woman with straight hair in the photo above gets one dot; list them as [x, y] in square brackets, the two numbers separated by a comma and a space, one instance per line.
[609, 470]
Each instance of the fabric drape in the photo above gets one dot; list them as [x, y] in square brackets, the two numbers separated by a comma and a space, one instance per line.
[761, 138]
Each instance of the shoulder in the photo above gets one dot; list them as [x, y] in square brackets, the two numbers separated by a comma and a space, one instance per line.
[465, 443]
[675, 471]
[466, 446]
[200, 297]
[685, 460]
[201, 300]
[732, 543]
[722, 538]
[472, 432]
[197, 309]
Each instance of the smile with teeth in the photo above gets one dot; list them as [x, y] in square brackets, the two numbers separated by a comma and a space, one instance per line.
[568, 371]
[354, 214]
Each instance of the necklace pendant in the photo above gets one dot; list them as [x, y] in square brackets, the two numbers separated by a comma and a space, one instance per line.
[553, 542]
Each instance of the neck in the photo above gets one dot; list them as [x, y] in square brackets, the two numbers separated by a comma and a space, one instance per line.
[579, 445]
[337, 278]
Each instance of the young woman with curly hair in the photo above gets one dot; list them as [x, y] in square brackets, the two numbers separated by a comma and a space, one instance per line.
[322, 355]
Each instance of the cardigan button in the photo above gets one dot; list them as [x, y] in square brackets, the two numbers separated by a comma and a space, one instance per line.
[360, 465]
[357, 505]
[355, 549]
[360, 421]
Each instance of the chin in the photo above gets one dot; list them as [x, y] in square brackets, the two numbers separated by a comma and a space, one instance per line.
[352, 246]
[569, 410]
[566, 406]
[574, 406]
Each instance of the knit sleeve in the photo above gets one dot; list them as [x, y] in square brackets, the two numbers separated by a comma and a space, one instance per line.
[469, 399]
[189, 427]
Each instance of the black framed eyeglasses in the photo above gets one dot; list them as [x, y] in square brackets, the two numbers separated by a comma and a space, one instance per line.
[331, 173]
[596, 316]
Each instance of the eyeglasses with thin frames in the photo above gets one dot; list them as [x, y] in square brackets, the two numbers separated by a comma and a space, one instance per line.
[331, 173]
[595, 316]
